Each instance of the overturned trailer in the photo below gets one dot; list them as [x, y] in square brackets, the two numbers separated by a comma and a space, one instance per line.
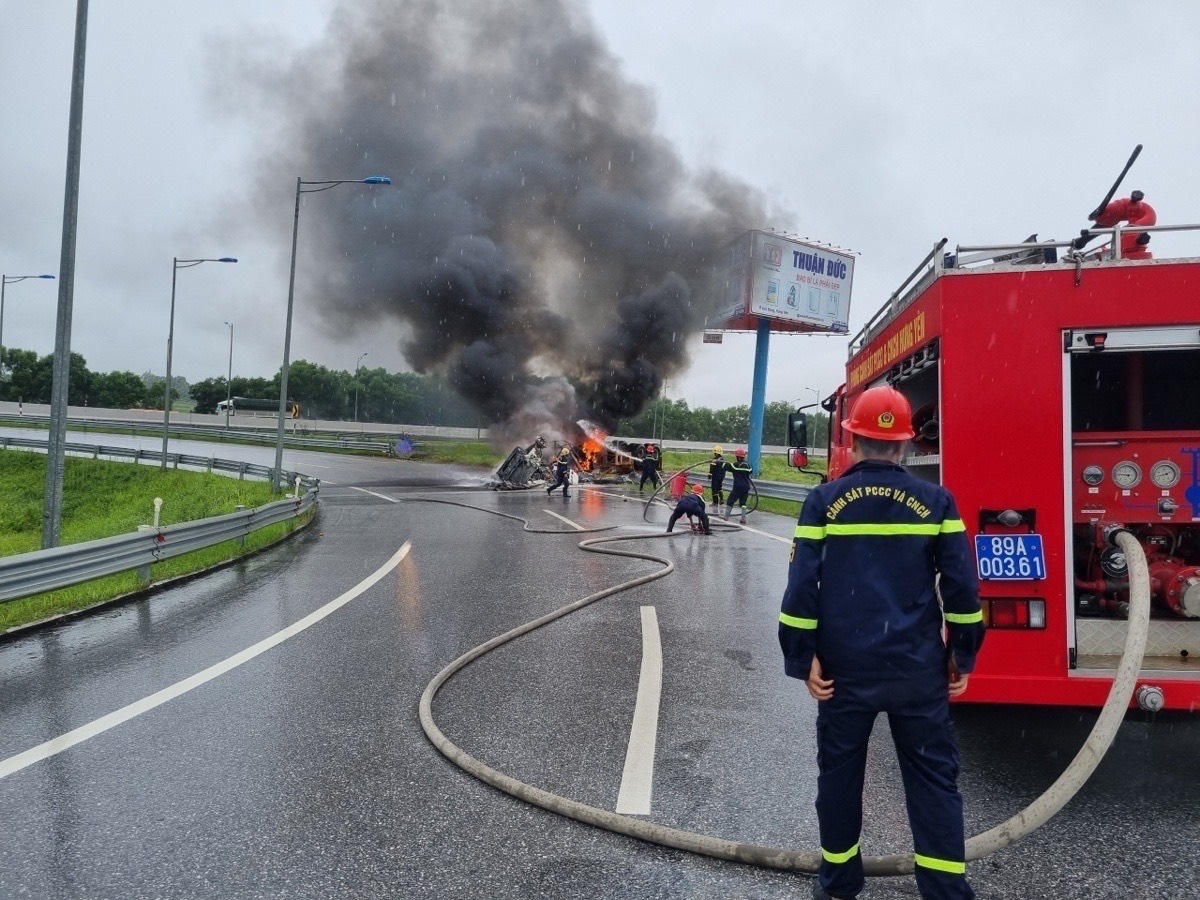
[597, 458]
[523, 468]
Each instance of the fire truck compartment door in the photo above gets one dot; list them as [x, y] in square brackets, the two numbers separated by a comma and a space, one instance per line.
[1087, 340]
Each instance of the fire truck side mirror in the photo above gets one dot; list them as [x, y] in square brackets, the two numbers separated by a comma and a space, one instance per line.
[797, 430]
[797, 458]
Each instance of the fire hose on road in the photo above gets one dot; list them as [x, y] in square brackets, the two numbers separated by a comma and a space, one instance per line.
[1023, 823]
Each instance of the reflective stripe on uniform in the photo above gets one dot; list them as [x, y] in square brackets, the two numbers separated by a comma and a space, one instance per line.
[882, 529]
[964, 618]
[817, 533]
[839, 857]
[938, 865]
[797, 622]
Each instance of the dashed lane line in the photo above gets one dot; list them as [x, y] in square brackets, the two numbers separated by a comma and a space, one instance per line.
[574, 525]
[638, 777]
[373, 494]
[125, 713]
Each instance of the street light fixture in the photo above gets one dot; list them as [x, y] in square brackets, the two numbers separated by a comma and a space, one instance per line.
[356, 365]
[816, 395]
[6, 280]
[177, 264]
[302, 187]
[229, 377]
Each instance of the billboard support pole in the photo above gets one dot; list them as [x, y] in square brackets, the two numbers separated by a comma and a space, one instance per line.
[758, 394]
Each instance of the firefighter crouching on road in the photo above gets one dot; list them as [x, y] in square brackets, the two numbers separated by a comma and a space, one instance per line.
[716, 475]
[861, 624]
[562, 470]
[741, 483]
[650, 463]
[691, 505]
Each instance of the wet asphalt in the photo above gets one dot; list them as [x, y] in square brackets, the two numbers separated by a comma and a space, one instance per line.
[305, 773]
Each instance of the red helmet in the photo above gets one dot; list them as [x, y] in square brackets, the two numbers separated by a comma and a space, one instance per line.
[881, 413]
[697, 489]
[649, 448]
[739, 452]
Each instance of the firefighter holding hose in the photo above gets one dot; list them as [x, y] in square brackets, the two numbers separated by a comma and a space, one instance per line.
[716, 476]
[740, 493]
[690, 505]
[650, 463]
[862, 625]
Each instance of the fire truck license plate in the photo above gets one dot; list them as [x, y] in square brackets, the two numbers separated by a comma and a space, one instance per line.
[1010, 557]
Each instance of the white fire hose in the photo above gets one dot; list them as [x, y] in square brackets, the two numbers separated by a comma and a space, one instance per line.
[1020, 825]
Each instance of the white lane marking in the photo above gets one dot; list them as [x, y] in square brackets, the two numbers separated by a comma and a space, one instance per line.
[574, 525]
[373, 494]
[113, 719]
[768, 534]
[638, 777]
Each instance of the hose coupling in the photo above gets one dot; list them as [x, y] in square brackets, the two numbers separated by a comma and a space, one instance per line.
[1150, 698]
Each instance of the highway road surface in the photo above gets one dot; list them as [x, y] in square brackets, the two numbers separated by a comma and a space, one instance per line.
[254, 733]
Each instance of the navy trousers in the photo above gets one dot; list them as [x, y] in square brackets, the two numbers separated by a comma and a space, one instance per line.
[918, 713]
[718, 492]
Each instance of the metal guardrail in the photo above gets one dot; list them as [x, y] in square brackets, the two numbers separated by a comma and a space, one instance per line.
[201, 431]
[25, 574]
[772, 490]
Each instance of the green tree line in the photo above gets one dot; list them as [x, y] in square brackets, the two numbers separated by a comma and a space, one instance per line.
[675, 420]
[382, 396]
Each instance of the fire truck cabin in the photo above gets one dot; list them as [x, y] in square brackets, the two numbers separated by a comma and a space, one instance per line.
[1056, 398]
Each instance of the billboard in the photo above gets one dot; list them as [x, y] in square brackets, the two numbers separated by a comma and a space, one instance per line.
[797, 285]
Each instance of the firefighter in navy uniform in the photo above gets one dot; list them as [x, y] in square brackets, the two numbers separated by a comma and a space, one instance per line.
[716, 476]
[862, 625]
[691, 505]
[741, 483]
[562, 470]
[651, 460]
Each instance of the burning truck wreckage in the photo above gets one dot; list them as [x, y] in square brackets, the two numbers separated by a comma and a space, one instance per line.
[598, 458]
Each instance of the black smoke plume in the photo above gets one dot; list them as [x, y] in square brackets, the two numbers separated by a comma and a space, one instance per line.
[537, 225]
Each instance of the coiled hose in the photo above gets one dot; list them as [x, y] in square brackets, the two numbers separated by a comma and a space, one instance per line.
[1017, 827]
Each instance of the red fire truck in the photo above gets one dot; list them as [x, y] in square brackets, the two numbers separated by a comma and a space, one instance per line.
[1057, 395]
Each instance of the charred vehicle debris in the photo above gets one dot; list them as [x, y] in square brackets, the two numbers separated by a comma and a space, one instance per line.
[597, 458]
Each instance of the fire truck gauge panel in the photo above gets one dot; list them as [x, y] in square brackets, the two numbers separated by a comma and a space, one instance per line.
[1092, 475]
[1126, 474]
[1165, 474]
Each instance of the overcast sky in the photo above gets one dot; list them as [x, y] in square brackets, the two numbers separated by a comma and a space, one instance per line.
[879, 127]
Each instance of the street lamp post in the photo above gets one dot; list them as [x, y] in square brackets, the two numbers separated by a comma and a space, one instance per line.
[313, 187]
[6, 280]
[229, 377]
[177, 264]
[356, 367]
[56, 443]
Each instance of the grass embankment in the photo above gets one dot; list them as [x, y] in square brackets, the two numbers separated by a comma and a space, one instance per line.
[463, 453]
[104, 499]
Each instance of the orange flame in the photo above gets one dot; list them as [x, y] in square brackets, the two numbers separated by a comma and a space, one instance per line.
[592, 452]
